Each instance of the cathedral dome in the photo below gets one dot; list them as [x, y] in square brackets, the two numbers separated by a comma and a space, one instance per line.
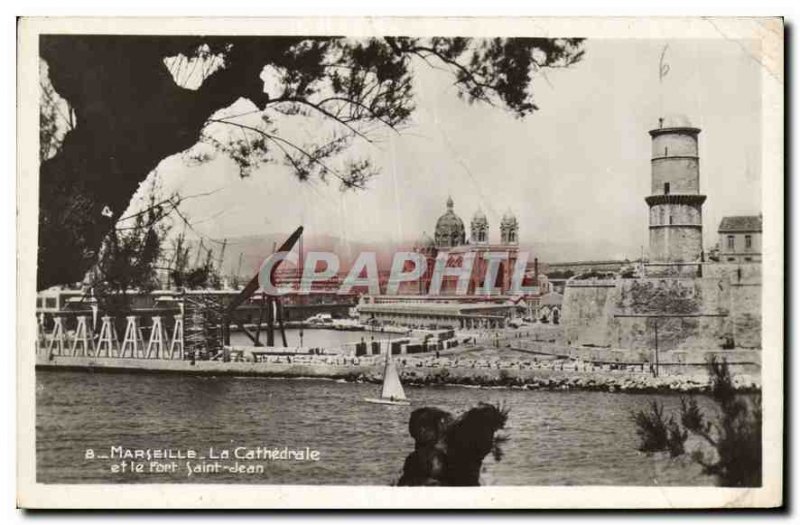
[450, 228]
[479, 216]
[509, 218]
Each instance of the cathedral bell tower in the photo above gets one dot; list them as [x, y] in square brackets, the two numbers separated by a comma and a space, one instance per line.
[676, 205]
[479, 228]
[509, 229]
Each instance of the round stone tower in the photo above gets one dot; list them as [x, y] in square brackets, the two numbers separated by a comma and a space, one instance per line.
[676, 205]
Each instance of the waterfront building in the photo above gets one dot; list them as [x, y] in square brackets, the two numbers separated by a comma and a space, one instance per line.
[549, 310]
[70, 303]
[55, 299]
[740, 239]
[447, 312]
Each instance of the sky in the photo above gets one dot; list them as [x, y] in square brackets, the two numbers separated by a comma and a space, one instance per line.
[575, 173]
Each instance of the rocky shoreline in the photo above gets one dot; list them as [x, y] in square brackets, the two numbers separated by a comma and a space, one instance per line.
[513, 378]
[641, 383]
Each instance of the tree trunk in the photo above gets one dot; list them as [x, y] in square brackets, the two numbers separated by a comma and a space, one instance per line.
[130, 115]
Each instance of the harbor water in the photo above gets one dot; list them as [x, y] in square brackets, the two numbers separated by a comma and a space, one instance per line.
[555, 438]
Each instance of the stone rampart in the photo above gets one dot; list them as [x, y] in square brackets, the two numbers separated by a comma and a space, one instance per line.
[721, 310]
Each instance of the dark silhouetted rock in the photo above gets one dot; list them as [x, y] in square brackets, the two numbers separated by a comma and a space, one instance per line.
[450, 452]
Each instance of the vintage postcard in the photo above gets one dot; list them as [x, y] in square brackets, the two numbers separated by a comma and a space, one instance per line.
[406, 263]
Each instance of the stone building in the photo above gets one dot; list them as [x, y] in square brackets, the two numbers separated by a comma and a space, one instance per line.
[740, 239]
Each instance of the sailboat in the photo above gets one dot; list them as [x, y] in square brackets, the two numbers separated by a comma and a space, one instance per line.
[392, 390]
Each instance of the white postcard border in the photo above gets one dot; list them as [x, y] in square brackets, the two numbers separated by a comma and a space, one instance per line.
[767, 35]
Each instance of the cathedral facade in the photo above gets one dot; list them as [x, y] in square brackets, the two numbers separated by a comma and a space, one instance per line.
[452, 242]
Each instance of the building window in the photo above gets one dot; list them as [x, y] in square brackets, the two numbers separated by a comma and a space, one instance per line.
[748, 241]
[38, 302]
[731, 259]
[748, 259]
[666, 188]
[670, 219]
[730, 242]
[50, 302]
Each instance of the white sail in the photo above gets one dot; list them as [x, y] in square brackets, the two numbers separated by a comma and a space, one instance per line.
[392, 388]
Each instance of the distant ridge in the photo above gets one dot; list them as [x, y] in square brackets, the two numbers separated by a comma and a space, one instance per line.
[255, 248]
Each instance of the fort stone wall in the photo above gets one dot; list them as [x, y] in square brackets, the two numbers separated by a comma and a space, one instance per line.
[721, 310]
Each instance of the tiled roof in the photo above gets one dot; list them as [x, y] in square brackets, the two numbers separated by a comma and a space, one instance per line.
[741, 223]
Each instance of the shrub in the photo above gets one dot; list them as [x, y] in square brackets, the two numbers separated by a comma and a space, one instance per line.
[657, 433]
[735, 434]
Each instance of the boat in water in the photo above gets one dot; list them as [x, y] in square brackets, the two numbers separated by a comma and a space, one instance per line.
[392, 390]
[320, 320]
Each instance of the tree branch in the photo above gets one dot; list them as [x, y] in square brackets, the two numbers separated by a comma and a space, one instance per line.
[318, 107]
[277, 140]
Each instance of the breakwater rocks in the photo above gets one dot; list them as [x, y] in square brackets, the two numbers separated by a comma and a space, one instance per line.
[608, 382]
[516, 378]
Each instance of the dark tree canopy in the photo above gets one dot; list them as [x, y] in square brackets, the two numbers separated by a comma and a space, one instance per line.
[133, 106]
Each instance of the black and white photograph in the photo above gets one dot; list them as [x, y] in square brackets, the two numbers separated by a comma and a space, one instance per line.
[410, 257]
